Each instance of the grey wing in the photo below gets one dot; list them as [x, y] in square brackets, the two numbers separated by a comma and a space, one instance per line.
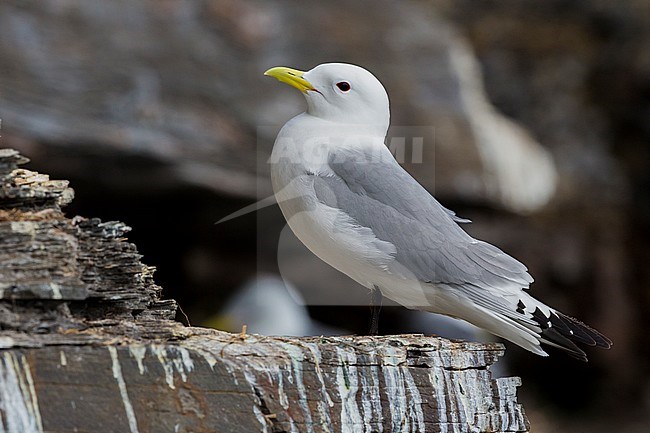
[379, 194]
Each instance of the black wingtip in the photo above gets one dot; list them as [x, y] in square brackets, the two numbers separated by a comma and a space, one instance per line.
[553, 337]
[599, 340]
[562, 331]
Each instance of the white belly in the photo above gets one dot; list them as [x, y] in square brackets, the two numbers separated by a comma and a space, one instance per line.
[330, 233]
[337, 240]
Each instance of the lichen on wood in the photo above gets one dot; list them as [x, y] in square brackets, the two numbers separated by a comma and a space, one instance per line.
[87, 344]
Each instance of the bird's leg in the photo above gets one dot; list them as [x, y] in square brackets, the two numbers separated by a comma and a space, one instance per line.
[375, 308]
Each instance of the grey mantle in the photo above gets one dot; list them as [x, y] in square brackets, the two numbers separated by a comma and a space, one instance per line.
[88, 345]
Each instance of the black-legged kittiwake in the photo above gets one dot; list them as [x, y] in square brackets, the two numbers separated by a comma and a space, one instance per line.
[349, 201]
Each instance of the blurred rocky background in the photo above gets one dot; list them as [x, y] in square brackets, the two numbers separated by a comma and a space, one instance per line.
[158, 113]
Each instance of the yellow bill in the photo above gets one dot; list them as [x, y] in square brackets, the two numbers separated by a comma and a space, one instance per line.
[292, 77]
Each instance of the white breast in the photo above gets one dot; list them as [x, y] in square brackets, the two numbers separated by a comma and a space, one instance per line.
[300, 151]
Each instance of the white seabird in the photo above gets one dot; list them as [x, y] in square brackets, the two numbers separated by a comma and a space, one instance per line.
[349, 201]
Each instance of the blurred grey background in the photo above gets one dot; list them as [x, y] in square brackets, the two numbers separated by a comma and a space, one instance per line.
[158, 113]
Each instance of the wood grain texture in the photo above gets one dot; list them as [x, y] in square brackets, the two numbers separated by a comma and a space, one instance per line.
[88, 345]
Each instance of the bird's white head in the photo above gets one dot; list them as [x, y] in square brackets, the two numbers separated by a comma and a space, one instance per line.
[340, 92]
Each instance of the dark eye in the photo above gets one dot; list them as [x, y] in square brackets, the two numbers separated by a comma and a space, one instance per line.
[343, 85]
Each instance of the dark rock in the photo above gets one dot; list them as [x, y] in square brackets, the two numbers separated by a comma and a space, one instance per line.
[87, 344]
